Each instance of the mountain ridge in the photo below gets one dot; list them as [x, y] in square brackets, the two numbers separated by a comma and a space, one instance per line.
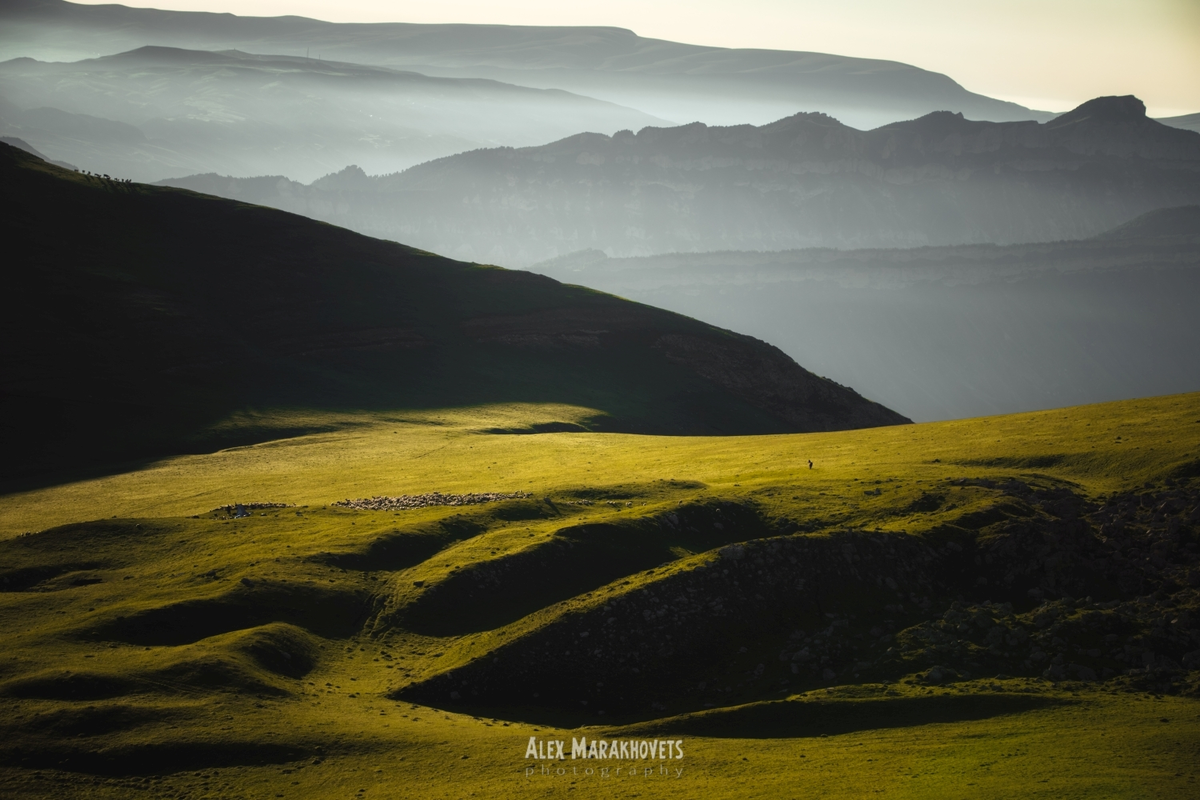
[666, 79]
[1178, 221]
[244, 113]
[806, 180]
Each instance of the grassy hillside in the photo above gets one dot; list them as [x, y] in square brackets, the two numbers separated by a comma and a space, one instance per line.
[990, 608]
[152, 321]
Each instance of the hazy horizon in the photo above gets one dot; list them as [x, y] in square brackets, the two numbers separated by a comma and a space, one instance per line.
[515, 146]
[1049, 57]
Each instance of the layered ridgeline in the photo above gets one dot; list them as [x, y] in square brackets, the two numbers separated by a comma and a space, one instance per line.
[804, 181]
[146, 316]
[1190, 122]
[680, 82]
[955, 331]
[159, 112]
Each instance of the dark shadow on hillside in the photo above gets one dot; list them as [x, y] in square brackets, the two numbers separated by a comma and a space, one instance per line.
[400, 550]
[162, 313]
[157, 759]
[29, 578]
[324, 611]
[794, 719]
[576, 560]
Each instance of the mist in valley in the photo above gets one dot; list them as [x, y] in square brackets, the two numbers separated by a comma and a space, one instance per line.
[952, 332]
[942, 252]
[155, 112]
[670, 80]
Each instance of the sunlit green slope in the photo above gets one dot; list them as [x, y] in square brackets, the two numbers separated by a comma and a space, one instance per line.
[997, 607]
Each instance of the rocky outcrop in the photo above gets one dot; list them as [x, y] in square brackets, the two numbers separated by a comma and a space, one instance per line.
[427, 500]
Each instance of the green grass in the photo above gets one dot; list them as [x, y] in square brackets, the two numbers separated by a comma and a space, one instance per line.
[450, 451]
[150, 642]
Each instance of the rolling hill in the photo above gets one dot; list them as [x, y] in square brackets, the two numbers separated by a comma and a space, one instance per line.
[1007, 602]
[680, 82]
[804, 181]
[158, 112]
[147, 318]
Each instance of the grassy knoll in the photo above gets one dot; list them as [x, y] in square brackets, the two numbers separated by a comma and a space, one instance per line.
[998, 608]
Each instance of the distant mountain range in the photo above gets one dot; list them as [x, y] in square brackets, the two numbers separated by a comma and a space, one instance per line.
[444, 156]
[160, 112]
[952, 332]
[21, 144]
[248, 96]
[145, 316]
[679, 82]
[804, 181]
[1188, 122]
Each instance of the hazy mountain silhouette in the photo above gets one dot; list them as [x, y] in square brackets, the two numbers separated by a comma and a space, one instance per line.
[804, 181]
[1188, 122]
[675, 81]
[1165, 224]
[159, 112]
[21, 144]
[145, 315]
[946, 332]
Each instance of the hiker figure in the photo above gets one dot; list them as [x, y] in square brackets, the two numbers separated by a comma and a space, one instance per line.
[810, 463]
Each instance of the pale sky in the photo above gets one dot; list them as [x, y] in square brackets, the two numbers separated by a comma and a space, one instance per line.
[1045, 54]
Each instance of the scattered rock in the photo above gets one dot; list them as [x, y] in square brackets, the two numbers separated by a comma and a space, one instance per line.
[407, 501]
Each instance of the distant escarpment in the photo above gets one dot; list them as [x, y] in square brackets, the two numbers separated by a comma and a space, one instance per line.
[670, 80]
[148, 315]
[804, 181]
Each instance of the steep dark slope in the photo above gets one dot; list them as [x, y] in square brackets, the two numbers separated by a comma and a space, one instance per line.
[681, 82]
[804, 181]
[139, 316]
